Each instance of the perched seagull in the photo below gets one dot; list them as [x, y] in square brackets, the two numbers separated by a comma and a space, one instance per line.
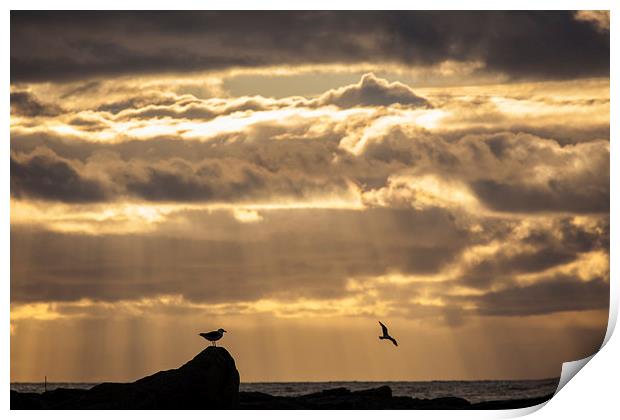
[213, 336]
[386, 335]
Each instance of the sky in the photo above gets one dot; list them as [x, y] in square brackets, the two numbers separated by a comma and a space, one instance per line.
[295, 177]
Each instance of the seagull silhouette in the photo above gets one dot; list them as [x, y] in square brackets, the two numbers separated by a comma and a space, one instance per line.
[213, 336]
[386, 335]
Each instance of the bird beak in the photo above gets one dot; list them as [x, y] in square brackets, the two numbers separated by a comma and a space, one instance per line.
[225, 331]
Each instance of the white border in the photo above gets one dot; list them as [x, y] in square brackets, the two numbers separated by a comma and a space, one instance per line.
[594, 394]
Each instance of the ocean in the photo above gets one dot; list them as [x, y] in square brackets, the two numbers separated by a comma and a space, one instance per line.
[473, 391]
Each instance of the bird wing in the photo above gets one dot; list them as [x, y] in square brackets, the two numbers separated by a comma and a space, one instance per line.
[393, 341]
[210, 335]
[384, 328]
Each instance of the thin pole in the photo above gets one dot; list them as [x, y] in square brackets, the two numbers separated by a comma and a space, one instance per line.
[45, 383]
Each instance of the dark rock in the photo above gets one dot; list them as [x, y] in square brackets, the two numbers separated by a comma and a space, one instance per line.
[442, 403]
[376, 399]
[510, 404]
[326, 393]
[26, 401]
[342, 398]
[381, 392]
[208, 381]
[62, 396]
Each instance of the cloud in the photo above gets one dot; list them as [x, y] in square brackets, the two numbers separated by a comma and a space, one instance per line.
[413, 211]
[396, 261]
[221, 181]
[43, 175]
[521, 251]
[548, 296]
[25, 104]
[421, 192]
[580, 114]
[189, 107]
[370, 91]
[373, 91]
[556, 195]
[273, 162]
[509, 172]
[598, 18]
[88, 45]
[139, 101]
[211, 256]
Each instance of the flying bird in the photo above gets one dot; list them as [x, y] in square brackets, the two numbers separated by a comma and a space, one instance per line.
[386, 335]
[213, 336]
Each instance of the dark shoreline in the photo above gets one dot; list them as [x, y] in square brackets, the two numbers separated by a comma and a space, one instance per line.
[375, 399]
[211, 381]
[331, 399]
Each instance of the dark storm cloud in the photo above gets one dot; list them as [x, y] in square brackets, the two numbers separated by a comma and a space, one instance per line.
[26, 104]
[561, 293]
[290, 253]
[582, 240]
[500, 268]
[556, 195]
[178, 181]
[91, 44]
[45, 176]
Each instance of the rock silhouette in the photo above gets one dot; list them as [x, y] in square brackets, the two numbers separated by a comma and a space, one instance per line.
[208, 381]
[211, 381]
